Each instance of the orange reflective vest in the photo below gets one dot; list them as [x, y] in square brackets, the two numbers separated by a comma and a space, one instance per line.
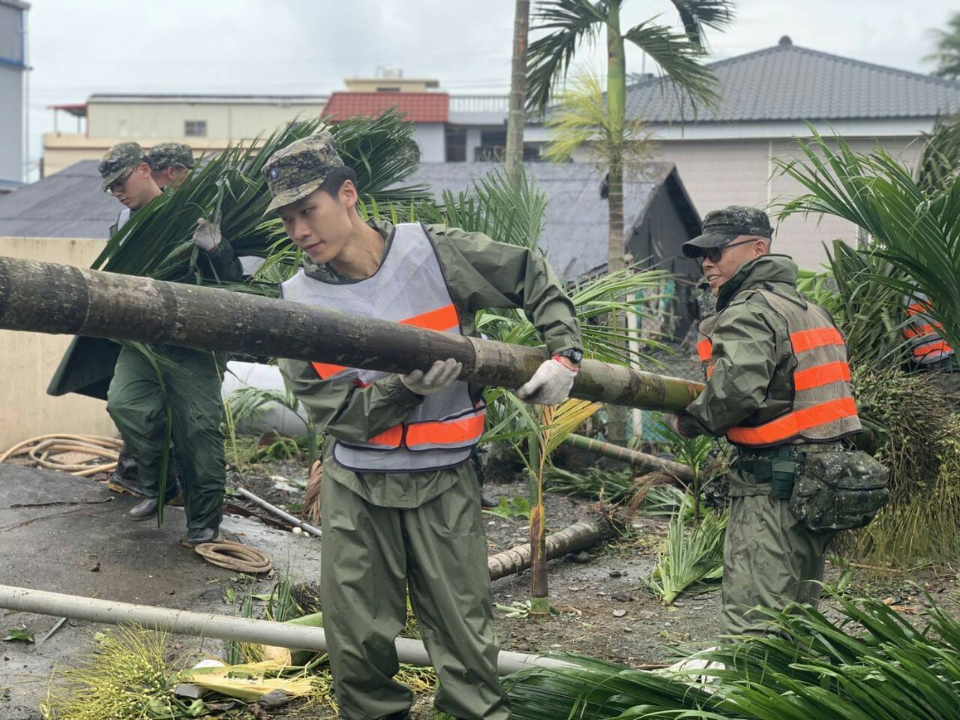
[922, 331]
[823, 408]
[409, 288]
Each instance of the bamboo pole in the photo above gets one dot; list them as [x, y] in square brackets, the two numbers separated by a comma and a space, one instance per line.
[644, 461]
[222, 627]
[59, 299]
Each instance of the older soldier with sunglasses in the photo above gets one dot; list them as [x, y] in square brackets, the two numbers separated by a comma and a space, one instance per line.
[778, 387]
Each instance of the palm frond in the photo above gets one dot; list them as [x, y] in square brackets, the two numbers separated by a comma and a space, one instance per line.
[693, 555]
[699, 14]
[678, 58]
[916, 231]
[571, 22]
[940, 160]
[580, 119]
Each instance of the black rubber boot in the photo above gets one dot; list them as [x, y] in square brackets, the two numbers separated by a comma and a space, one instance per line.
[148, 508]
[201, 536]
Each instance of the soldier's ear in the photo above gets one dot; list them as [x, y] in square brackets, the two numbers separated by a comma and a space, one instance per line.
[348, 194]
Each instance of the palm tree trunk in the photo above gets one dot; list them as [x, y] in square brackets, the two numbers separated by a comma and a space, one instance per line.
[577, 537]
[64, 300]
[518, 83]
[616, 248]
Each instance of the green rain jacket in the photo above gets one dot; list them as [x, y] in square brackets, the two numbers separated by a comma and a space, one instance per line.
[481, 274]
[753, 360]
[87, 365]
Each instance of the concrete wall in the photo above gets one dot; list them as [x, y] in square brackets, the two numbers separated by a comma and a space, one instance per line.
[228, 121]
[722, 172]
[28, 360]
[718, 173]
[431, 139]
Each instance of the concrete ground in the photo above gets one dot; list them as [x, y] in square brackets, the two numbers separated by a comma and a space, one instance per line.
[70, 535]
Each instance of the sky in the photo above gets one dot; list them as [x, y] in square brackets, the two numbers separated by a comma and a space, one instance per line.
[79, 47]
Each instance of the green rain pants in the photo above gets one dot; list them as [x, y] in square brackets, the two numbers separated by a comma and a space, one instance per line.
[770, 560]
[370, 557]
[135, 401]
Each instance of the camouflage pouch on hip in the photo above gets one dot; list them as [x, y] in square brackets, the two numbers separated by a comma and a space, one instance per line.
[838, 490]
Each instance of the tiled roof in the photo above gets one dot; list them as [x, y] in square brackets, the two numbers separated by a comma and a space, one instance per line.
[418, 107]
[68, 204]
[786, 82]
[575, 233]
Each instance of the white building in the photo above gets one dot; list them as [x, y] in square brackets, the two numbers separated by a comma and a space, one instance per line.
[204, 122]
[727, 154]
[13, 70]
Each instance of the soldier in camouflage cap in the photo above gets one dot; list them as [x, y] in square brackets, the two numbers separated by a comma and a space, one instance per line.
[126, 174]
[300, 168]
[723, 227]
[777, 385]
[171, 162]
[395, 518]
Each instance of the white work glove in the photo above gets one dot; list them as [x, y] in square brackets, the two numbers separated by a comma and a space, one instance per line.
[207, 235]
[438, 377]
[550, 385]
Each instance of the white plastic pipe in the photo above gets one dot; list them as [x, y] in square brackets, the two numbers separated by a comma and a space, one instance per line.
[273, 509]
[222, 627]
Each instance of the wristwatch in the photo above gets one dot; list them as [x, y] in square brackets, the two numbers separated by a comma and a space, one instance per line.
[573, 355]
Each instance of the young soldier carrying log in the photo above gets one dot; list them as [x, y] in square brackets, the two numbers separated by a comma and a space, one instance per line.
[400, 499]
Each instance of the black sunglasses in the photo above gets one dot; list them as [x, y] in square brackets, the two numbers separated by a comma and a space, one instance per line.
[715, 253]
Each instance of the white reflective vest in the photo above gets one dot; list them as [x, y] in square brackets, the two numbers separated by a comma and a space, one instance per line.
[408, 288]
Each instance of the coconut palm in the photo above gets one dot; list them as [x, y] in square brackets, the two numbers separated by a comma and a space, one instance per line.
[570, 24]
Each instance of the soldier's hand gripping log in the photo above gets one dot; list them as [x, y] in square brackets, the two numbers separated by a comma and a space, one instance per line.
[60, 299]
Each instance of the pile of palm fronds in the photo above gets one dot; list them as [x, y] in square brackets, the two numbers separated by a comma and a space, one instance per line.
[230, 190]
[617, 487]
[917, 438]
[692, 560]
[872, 663]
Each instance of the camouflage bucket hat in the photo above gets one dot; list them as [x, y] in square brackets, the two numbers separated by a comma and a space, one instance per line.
[722, 227]
[300, 168]
[167, 155]
[117, 160]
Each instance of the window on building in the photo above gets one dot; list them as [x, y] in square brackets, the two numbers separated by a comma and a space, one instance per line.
[388, 89]
[493, 145]
[195, 128]
[455, 141]
[531, 151]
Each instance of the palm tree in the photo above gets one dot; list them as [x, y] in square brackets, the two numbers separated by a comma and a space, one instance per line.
[947, 54]
[573, 23]
[518, 85]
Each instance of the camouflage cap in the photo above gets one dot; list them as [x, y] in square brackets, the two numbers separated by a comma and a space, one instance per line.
[722, 227]
[117, 160]
[167, 155]
[300, 168]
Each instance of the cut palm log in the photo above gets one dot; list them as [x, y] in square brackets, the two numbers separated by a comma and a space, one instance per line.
[59, 299]
[643, 461]
[579, 536]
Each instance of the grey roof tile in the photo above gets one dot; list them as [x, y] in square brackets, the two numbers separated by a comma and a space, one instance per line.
[787, 82]
[68, 204]
[575, 228]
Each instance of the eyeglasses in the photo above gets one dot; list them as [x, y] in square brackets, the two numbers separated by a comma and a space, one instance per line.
[118, 185]
[715, 253]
